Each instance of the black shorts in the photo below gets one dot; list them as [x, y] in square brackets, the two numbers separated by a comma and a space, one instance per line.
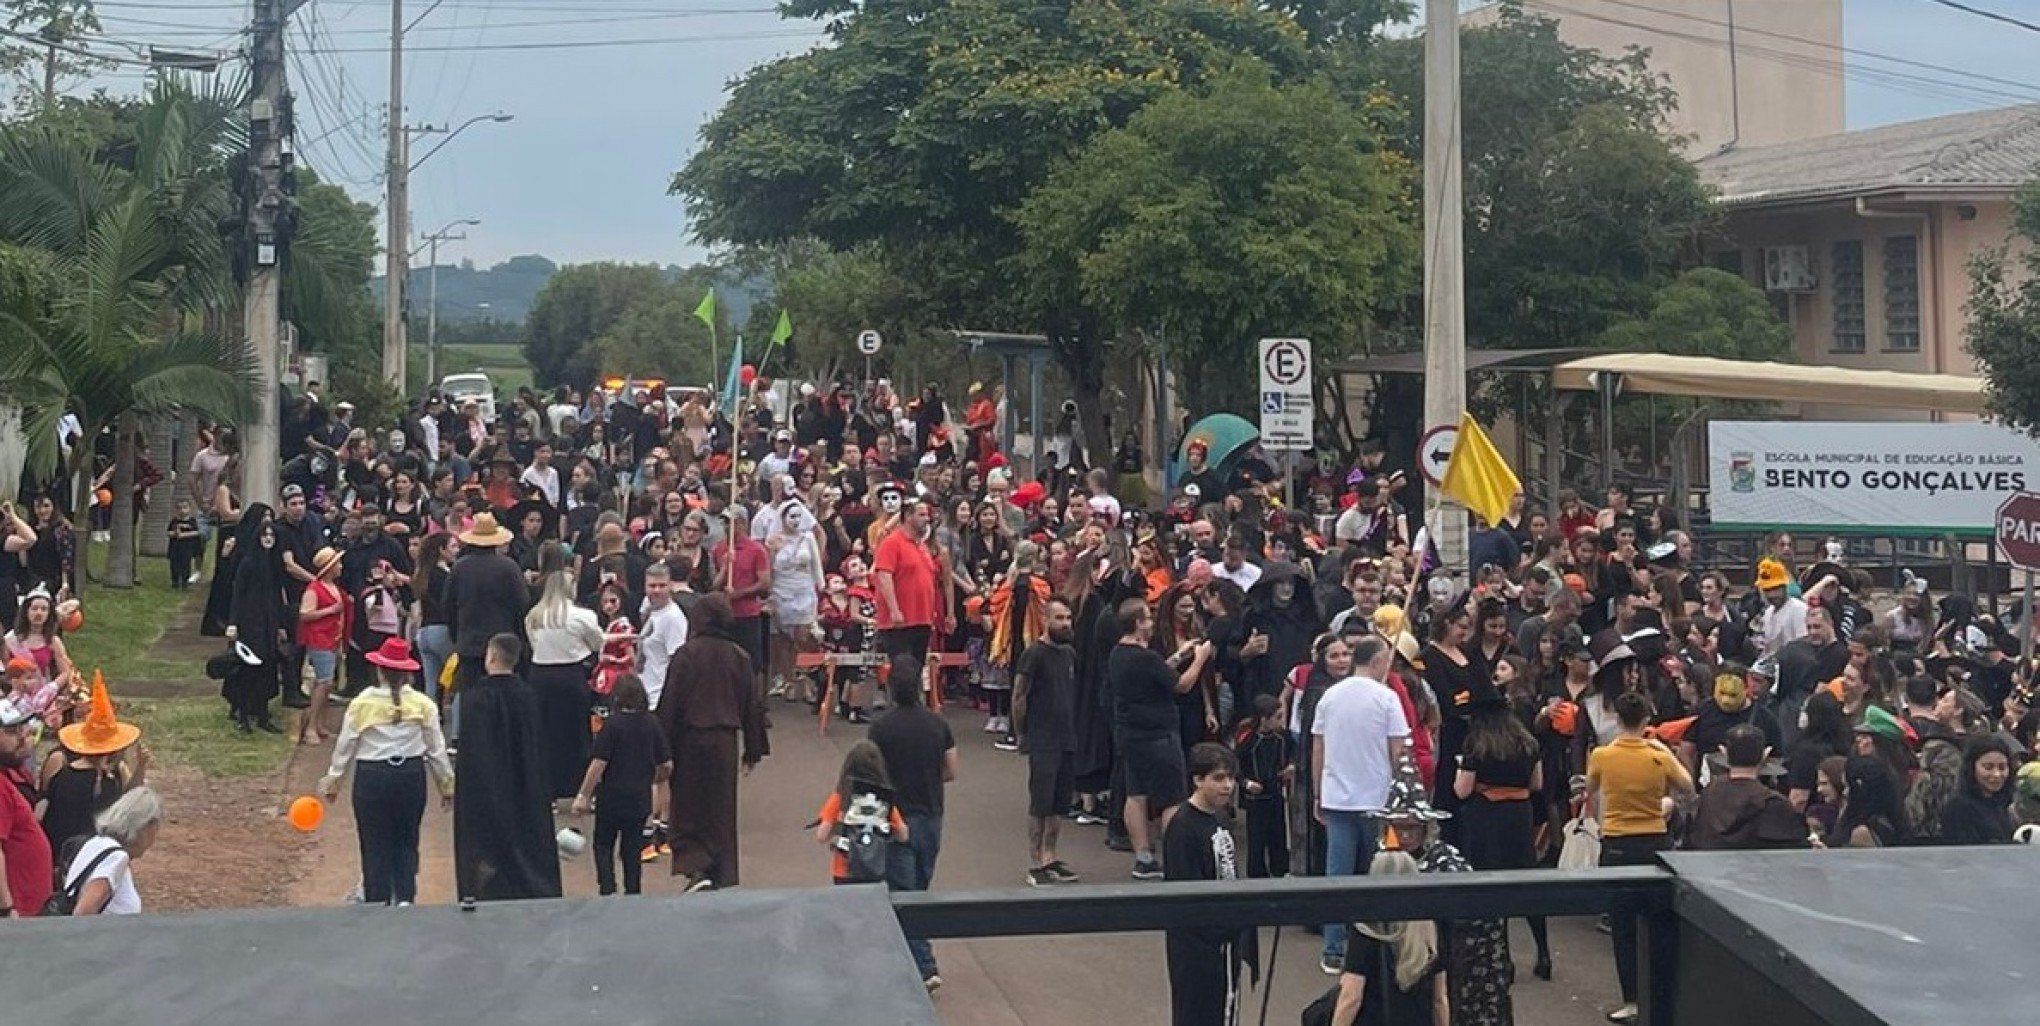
[749, 633]
[1051, 782]
[1154, 770]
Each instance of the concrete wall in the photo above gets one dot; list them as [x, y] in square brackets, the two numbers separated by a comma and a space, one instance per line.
[1783, 83]
[1949, 234]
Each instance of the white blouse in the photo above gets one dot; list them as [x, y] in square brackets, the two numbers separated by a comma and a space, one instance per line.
[578, 639]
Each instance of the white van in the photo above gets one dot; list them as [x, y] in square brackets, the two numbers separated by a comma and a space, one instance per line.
[459, 388]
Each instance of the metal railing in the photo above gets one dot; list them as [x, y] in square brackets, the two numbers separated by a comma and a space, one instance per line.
[1645, 891]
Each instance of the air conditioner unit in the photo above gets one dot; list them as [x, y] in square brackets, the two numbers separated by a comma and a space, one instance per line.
[1788, 269]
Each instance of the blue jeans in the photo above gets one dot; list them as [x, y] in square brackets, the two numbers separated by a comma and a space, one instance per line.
[1350, 840]
[911, 867]
[435, 643]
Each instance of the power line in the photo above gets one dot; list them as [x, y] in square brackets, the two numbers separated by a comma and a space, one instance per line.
[1742, 30]
[580, 44]
[171, 28]
[1896, 80]
[1991, 15]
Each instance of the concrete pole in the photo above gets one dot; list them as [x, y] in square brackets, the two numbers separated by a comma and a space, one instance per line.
[1444, 273]
[397, 239]
[261, 459]
[432, 319]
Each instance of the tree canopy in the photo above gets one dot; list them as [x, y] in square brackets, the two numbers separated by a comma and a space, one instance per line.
[2004, 320]
[1225, 213]
[617, 319]
[925, 124]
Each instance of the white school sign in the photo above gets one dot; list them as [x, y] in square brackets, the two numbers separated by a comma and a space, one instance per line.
[1865, 477]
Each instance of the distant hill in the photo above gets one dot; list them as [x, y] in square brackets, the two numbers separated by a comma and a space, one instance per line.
[503, 292]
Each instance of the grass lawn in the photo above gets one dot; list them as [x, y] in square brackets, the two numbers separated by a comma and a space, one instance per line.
[196, 732]
[504, 363]
[121, 626]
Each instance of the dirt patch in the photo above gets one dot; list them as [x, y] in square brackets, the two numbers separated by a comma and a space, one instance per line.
[222, 844]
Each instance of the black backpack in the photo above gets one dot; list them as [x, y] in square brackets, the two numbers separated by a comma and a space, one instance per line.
[864, 835]
[64, 900]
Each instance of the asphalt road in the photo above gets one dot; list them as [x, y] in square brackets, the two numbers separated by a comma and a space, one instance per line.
[1106, 979]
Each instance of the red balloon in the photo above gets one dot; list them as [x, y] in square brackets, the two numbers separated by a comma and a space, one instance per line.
[748, 374]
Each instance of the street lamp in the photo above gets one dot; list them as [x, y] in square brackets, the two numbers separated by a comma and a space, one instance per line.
[498, 118]
[432, 241]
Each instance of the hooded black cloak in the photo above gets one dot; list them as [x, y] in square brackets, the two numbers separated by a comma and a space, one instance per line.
[503, 845]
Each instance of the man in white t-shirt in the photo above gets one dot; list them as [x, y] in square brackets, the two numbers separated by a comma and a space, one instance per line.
[779, 462]
[1361, 733]
[542, 475]
[664, 631]
[560, 413]
[1235, 566]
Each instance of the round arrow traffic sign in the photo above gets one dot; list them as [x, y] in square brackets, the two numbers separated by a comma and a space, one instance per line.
[868, 342]
[1434, 453]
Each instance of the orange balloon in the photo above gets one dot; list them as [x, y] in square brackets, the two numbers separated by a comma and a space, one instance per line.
[307, 813]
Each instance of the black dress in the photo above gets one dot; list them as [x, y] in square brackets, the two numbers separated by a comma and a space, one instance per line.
[75, 797]
[257, 612]
[1456, 687]
[1495, 832]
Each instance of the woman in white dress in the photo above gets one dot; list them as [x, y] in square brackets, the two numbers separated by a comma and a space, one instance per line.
[796, 589]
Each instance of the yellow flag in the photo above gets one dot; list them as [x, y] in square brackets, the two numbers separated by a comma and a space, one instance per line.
[1477, 476]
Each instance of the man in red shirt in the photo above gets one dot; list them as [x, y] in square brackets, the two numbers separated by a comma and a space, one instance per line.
[909, 603]
[24, 850]
[746, 578]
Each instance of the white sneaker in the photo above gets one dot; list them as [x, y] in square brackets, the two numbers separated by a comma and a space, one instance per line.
[992, 725]
[193, 579]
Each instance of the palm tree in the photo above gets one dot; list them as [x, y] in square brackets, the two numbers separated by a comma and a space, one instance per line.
[122, 262]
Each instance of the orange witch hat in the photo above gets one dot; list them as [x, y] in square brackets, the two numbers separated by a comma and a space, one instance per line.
[101, 733]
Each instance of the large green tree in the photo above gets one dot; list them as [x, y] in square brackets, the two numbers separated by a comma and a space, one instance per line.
[129, 261]
[631, 320]
[2004, 319]
[1219, 215]
[1703, 312]
[926, 123]
[1578, 207]
[576, 306]
[46, 44]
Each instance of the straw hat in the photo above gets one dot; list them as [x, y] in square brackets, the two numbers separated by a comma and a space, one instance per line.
[395, 654]
[100, 734]
[486, 533]
[326, 561]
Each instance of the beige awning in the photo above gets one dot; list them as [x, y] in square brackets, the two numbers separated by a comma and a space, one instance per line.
[1709, 377]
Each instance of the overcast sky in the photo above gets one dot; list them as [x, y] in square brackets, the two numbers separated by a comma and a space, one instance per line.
[581, 173]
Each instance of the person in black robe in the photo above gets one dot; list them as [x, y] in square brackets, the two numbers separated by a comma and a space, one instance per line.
[485, 595]
[259, 619]
[503, 845]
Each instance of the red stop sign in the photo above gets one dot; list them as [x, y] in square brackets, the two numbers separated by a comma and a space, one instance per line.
[2018, 530]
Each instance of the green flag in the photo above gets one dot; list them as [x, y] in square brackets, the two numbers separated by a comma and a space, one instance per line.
[784, 331]
[705, 313]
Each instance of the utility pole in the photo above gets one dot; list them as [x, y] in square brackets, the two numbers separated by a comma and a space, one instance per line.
[397, 239]
[266, 225]
[432, 312]
[432, 242]
[1444, 262]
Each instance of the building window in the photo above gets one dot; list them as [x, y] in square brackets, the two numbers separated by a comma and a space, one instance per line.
[1902, 294]
[1730, 260]
[1846, 295]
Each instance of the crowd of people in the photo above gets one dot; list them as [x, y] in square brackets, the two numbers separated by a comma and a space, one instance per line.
[591, 602]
